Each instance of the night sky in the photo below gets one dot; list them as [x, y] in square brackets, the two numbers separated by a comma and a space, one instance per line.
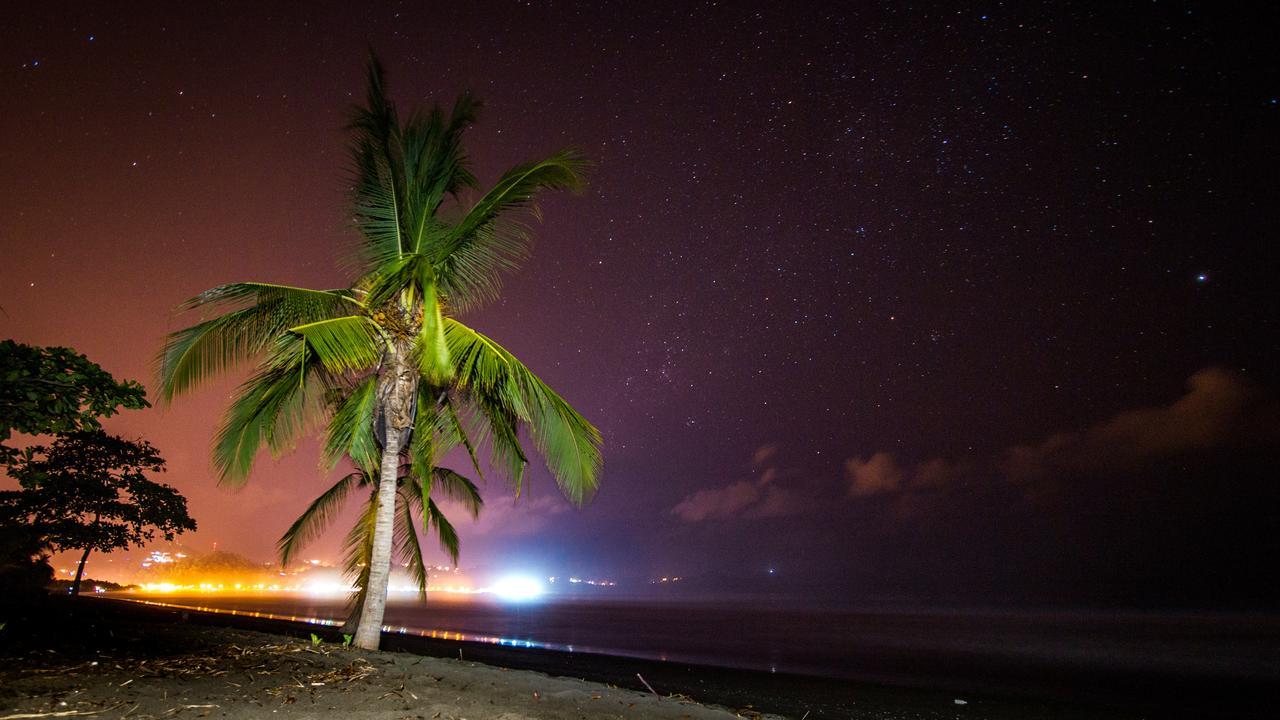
[950, 305]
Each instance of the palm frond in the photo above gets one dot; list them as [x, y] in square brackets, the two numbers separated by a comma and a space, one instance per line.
[302, 304]
[316, 517]
[273, 406]
[350, 431]
[357, 547]
[493, 236]
[457, 434]
[434, 163]
[499, 429]
[424, 446]
[375, 210]
[444, 531]
[566, 440]
[407, 545]
[481, 366]
[459, 488]
[430, 352]
[377, 170]
[195, 354]
[344, 344]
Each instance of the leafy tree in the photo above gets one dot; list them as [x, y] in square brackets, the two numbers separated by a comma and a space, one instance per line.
[45, 390]
[89, 491]
[385, 364]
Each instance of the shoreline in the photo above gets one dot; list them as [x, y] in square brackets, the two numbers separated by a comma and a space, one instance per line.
[108, 660]
[1011, 686]
[747, 692]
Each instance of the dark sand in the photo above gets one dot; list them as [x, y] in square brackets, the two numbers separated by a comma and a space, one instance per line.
[139, 668]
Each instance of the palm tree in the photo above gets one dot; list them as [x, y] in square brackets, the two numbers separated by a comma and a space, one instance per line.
[384, 364]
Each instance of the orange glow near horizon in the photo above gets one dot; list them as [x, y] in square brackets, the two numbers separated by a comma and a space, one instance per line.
[313, 589]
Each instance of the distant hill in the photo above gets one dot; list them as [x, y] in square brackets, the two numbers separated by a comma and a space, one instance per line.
[217, 566]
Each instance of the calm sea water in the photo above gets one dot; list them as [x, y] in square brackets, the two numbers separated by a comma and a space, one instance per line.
[915, 648]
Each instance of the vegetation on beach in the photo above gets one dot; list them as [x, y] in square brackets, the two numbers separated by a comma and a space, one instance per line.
[90, 491]
[87, 490]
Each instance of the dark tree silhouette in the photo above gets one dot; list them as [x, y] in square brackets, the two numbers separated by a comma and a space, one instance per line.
[89, 491]
[56, 390]
[24, 562]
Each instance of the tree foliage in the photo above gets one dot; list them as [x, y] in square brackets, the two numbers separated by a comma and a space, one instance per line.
[90, 491]
[46, 390]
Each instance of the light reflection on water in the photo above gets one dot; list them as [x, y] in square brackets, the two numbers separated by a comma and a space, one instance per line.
[330, 622]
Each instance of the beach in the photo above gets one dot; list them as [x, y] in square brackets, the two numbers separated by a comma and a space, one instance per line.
[152, 667]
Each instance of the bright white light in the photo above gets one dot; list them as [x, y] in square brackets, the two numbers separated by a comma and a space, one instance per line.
[517, 588]
[326, 588]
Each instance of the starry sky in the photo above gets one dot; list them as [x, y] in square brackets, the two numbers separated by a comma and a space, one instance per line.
[920, 303]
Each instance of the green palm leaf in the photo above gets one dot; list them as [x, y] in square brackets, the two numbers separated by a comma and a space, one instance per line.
[316, 517]
[344, 344]
[499, 429]
[407, 545]
[432, 430]
[493, 236]
[459, 488]
[273, 406]
[302, 304]
[456, 434]
[434, 163]
[194, 355]
[567, 441]
[377, 171]
[358, 546]
[444, 531]
[350, 429]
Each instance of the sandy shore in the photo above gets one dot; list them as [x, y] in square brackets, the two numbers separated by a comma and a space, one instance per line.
[177, 670]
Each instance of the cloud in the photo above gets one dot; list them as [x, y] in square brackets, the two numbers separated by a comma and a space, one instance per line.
[1219, 410]
[506, 516]
[878, 474]
[776, 502]
[759, 498]
[718, 503]
[763, 453]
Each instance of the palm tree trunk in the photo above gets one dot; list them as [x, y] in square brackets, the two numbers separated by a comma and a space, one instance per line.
[75, 586]
[369, 633]
[396, 388]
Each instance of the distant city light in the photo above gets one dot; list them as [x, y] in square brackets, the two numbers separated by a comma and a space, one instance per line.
[326, 588]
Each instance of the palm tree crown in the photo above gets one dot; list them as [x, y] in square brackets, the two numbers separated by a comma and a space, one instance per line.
[384, 365]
